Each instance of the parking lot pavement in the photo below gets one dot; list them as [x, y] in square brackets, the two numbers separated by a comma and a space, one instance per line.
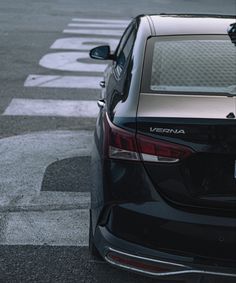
[48, 94]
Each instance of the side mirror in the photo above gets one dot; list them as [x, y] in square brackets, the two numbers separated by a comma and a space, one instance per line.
[101, 53]
[232, 33]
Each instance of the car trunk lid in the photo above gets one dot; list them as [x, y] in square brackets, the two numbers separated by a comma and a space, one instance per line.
[207, 126]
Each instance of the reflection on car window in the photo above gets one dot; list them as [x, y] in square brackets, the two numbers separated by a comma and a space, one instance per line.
[194, 65]
[123, 55]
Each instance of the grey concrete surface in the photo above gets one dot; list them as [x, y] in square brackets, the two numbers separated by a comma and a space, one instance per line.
[61, 264]
[67, 265]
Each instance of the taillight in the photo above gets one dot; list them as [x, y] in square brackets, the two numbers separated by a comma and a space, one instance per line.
[122, 144]
[161, 151]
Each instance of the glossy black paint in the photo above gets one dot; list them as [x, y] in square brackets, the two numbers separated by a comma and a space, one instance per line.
[149, 225]
[206, 179]
[163, 211]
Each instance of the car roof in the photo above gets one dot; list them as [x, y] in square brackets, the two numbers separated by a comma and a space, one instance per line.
[189, 24]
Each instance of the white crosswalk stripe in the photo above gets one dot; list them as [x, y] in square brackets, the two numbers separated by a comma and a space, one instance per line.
[106, 32]
[85, 44]
[82, 25]
[87, 82]
[118, 22]
[54, 228]
[51, 107]
[70, 61]
[49, 219]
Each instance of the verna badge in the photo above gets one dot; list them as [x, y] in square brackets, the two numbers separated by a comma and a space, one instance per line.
[166, 131]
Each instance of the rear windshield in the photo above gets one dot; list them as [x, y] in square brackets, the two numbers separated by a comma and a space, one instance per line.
[190, 64]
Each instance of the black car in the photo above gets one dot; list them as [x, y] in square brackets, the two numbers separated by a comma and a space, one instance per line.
[163, 198]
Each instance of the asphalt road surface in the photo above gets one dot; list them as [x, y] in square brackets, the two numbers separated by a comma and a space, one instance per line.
[48, 93]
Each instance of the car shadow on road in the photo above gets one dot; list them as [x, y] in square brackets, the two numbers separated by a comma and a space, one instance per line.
[68, 175]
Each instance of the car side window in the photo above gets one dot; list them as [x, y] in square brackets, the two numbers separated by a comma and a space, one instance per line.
[124, 50]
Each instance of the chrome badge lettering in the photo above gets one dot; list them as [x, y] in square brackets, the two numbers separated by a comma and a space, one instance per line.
[166, 131]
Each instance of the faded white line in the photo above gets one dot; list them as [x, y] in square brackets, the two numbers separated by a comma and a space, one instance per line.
[87, 25]
[85, 20]
[48, 201]
[103, 32]
[44, 107]
[54, 228]
[87, 43]
[70, 61]
[63, 81]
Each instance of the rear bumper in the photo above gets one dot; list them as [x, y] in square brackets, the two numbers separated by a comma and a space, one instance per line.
[140, 259]
[131, 220]
[207, 239]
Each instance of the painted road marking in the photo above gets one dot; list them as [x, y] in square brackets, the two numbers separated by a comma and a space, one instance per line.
[54, 228]
[28, 215]
[51, 200]
[86, 20]
[87, 25]
[70, 61]
[87, 82]
[50, 107]
[78, 61]
[87, 43]
[108, 32]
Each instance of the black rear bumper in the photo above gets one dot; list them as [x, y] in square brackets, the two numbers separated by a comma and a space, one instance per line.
[136, 258]
[175, 241]
[158, 226]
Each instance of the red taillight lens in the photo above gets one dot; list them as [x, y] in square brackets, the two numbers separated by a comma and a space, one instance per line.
[161, 151]
[122, 144]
